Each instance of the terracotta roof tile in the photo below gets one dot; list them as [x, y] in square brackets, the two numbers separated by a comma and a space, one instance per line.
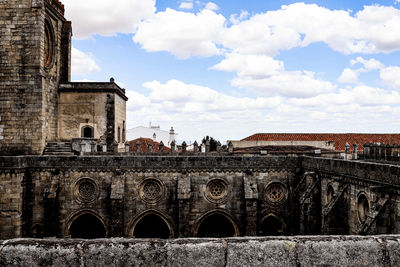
[339, 139]
[144, 145]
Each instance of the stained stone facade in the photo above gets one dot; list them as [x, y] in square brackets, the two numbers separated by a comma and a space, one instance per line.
[163, 194]
[183, 195]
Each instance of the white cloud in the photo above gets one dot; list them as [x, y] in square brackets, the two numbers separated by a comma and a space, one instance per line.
[84, 81]
[267, 77]
[349, 76]
[181, 33]
[254, 66]
[186, 5]
[190, 98]
[370, 64]
[236, 19]
[105, 17]
[287, 83]
[391, 76]
[82, 63]
[371, 30]
[211, 6]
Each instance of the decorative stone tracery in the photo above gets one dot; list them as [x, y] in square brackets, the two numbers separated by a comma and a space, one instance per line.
[86, 190]
[275, 193]
[151, 190]
[216, 190]
[48, 44]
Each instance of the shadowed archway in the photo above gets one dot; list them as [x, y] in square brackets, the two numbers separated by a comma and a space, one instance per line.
[271, 226]
[87, 226]
[216, 225]
[151, 226]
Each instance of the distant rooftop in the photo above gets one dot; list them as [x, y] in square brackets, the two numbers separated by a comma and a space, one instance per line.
[339, 139]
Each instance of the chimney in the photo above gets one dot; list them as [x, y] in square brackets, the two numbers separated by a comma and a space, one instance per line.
[171, 136]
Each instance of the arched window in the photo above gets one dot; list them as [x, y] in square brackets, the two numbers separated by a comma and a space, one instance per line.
[119, 134]
[216, 225]
[87, 226]
[271, 226]
[87, 132]
[123, 132]
[363, 207]
[329, 194]
[151, 226]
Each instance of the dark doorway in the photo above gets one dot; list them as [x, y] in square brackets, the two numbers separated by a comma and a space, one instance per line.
[151, 226]
[87, 132]
[216, 225]
[87, 226]
[271, 226]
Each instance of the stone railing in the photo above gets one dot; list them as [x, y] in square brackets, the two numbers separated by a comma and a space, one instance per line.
[378, 151]
[268, 251]
[152, 162]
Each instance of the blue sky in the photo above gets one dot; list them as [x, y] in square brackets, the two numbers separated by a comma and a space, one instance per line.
[233, 68]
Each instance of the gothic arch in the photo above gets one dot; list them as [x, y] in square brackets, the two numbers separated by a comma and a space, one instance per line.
[78, 215]
[217, 212]
[271, 224]
[164, 218]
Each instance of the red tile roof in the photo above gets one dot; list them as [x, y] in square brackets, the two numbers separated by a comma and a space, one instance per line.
[144, 145]
[339, 139]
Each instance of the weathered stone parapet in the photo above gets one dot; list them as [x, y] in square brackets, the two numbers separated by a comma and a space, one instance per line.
[373, 172]
[268, 251]
[152, 163]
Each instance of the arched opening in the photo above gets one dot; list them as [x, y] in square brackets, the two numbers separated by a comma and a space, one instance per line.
[271, 226]
[119, 134]
[37, 231]
[87, 226]
[363, 207]
[216, 225]
[329, 194]
[151, 226]
[87, 132]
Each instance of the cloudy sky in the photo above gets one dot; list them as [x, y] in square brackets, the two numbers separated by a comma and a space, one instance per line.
[231, 68]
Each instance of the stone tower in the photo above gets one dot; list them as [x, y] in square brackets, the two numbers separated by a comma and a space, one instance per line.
[35, 48]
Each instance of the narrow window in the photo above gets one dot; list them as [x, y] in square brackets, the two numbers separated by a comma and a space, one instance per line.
[119, 134]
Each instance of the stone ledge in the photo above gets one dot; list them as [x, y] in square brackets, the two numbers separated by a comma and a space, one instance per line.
[258, 251]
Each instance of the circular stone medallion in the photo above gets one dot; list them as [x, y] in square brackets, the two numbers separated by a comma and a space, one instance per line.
[151, 190]
[86, 190]
[275, 193]
[216, 190]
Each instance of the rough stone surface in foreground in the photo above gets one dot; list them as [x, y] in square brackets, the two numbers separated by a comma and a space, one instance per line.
[268, 251]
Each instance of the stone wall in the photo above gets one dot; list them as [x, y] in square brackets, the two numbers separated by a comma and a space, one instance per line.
[120, 119]
[284, 251]
[53, 200]
[45, 195]
[75, 108]
[352, 181]
[28, 100]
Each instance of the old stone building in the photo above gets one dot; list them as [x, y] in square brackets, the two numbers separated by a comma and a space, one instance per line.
[106, 193]
[38, 103]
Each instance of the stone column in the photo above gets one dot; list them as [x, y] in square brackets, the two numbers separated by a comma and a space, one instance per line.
[116, 228]
[184, 194]
[51, 209]
[195, 147]
[184, 145]
[251, 200]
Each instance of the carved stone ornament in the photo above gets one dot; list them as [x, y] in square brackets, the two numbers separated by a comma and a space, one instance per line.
[48, 45]
[216, 190]
[151, 190]
[86, 190]
[275, 193]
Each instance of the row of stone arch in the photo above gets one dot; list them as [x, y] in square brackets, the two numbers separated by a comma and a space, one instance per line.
[152, 224]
